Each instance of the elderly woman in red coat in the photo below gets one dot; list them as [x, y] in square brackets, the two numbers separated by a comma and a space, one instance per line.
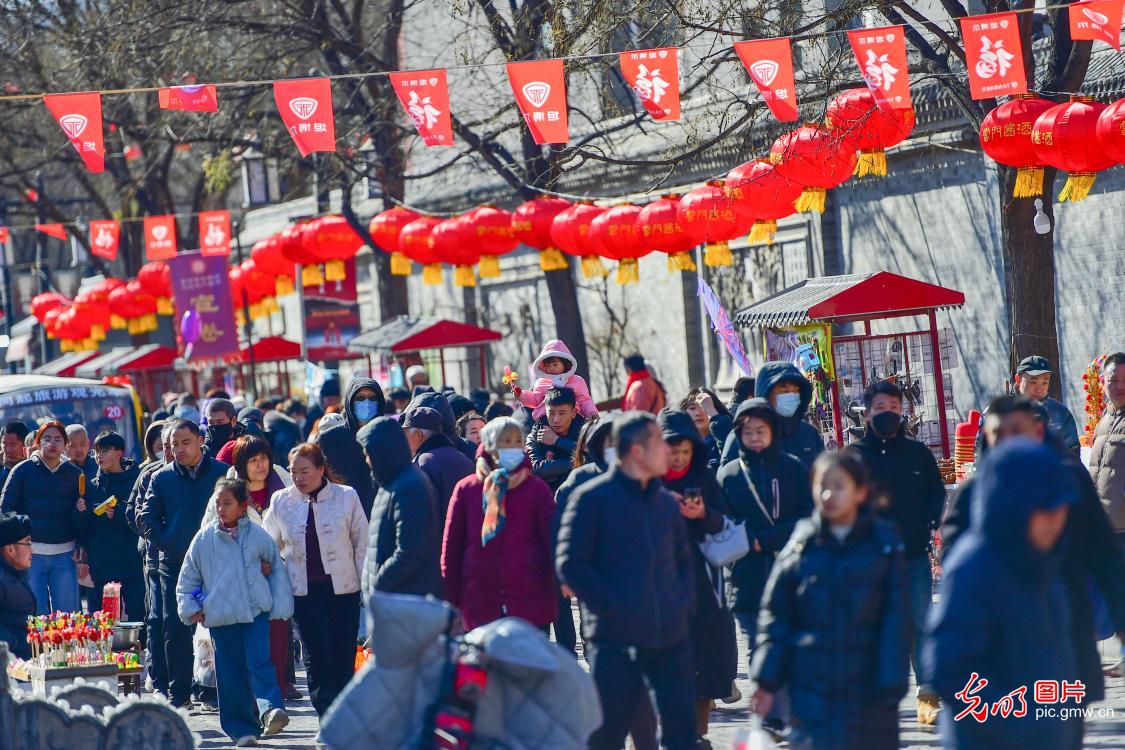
[496, 556]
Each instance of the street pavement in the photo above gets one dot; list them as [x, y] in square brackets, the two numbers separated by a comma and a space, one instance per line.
[1101, 731]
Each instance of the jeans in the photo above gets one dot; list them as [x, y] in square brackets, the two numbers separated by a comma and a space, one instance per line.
[621, 673]
[154, 624]
[177, 637]
[54, 581]
[328, 624]
[245, 676]
[920, 585]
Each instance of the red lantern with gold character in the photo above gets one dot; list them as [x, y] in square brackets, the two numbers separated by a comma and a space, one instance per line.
[385, 228]
[531, 223]
[570, 231]
[1065, 137]
[1111, 130]
[415, 242]
[763, 195]
[1005, 136]
[93, 307]
[267, 256]
[451, 244]
[872, 129]
[490, 228]
[818, 158]
[615, 235]
[296, 246]
[660, 225]
[144, 307]
[708, 214]
[155, 278]
[334, 242]
[259, 288]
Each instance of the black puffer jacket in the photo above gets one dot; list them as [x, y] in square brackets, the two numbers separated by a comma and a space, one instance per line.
[623, 549]
[835, 628]
[905, 473]
[110, 542]
[174, 507]
[345, 458]
[595, 466]
[445, 466]
[357, 383]
[712, 624]
[133, 508]
[798, 437]
[552, 463]
[781, 482]
[16, 604]
[47, 497]
[283, 435]
[404, 545]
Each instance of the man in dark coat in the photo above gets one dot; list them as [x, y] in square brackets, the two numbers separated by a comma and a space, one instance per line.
[552, 440]
[283, 434]
[363, 402]
[624, 551]
[12, 436]
[329, 396]
[434, 452]
[904, 474]
[17, 602]
[404, 546]
[222, 426]
[440, 403]
[173, 509]
[78, 450]
[1003, 619]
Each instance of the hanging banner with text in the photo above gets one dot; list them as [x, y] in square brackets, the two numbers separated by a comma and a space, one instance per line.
[770, 65]
[1097, 21]
[201, 284]
[80, 117]
[305, 106]
[105, 237]
[540, 90]
[654, 76]
[214, 232]
[993, 55]
[881, 56]
[424, 94]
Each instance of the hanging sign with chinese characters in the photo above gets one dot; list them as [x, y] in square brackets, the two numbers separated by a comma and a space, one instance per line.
[214, 232]
[80, 117]
[540, 90]
[201, 284]
[306, 109]
[770, 65]
[654, 76]
[424, 94]
[1097, 20]
[993, 55]
[105, 236]
[881, 56]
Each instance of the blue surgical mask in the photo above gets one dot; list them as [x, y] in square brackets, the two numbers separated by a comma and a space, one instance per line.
[787, 403]
[365, 411]
[511, 458]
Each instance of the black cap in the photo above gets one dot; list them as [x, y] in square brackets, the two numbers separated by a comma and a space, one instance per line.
[422, 418]
[1033, 366]
[13, 527]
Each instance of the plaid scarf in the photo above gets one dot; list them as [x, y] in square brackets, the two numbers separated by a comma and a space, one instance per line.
[494, 513]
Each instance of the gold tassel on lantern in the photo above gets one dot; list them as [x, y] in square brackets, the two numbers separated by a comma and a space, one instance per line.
[311, 275]
[463, 276]
[592, 267]
[717, 254]
[239, 318]
[871, 163]
[489, 267]
[1029, 182]
[552, 259]
[66, 345]
[164, 306]
[628, 271]
[1077, 187]
[400, 265]
[256, 311]
[334, 270]
[431, 274]
[762, 231]
[681, 262]
[269, 304]
[117, 322]
[149, 324]
[97, 333]
[283, 286]
[812, 199]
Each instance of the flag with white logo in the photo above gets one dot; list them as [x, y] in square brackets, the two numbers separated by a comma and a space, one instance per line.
[1097, 20]
[424, 94]
[306, 109]
[160, 237]
[214, 232]
[540, 90]
[105, 236]
[654, 76]
[881, 56]
[202, 98]
[80, 117]
[770, 65]
[993, 55]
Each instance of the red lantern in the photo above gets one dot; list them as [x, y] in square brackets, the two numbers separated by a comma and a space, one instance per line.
[817, 158]
[267, 256]
[531, 223]
[144, 309]
[333, 241]
[296, 246]
[451, 244]
[74, 331]
[91, 305]
[761, 193]
[259, 288]
[155, 278]
[615, 235]
[415, 242]
[385, 228]
[51, 320]
[490, 228]
[873, 129]
[1065, 137]
[43, 303]
[708, 214]
[660, 225]
[121, 307]
[1111, 130]
[570, 231]
[1005, 135]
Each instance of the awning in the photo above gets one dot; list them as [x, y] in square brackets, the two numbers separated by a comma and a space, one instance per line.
[272, 349]
[405, 334]
[847, 299]
[104, 362]
[66, 365]
[147, 358]
[17, 348]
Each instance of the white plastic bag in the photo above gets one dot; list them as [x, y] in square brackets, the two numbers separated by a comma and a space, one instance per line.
[203, 667]
[754, 738]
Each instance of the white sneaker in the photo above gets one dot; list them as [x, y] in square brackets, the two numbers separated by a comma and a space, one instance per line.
[247, 741]
[274, 721]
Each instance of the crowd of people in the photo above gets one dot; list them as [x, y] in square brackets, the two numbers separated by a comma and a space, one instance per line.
[671, 525]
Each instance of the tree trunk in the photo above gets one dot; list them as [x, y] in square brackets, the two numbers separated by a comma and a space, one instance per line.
[1029, 276]
[568, 316]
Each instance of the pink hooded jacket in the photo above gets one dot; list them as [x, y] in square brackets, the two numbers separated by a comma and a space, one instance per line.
[534, 397]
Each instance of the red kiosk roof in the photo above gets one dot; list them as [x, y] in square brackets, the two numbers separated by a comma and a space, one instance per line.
[147, 358]
[405, 334]
[847, 299]
[271, 349]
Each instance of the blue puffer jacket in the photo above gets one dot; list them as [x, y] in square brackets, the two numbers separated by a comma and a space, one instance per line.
[227, 571]
[798, 437]
[174, 507]
[47, 497]
[110, 542]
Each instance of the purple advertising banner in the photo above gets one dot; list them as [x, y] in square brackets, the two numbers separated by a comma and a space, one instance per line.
[200, 283]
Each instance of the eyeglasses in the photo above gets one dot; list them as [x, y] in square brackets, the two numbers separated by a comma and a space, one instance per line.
[22, 544]
[357, 399]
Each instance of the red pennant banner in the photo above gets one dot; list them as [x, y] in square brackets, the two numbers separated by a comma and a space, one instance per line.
[540, 90]
[160, 237]
[1097, 20]
[306, 109]
[881, 56]
[424, 94]
[994, 55]
[654, 76]
[105, 236]
[770, 65]
[58, 231]
[3, 235]
[80, 117]
[214, 232]
[202, 98]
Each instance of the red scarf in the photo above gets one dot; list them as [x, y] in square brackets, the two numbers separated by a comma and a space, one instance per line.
[634, 377]
[673, 475]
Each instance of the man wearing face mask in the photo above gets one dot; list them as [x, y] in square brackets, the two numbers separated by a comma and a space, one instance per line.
[434, 452]
[789, 393]
[905, 473]
[222, 426]
[363, 402]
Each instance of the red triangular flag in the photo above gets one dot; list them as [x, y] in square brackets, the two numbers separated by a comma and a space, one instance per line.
[105, 236]
[993, 55]
[654, 76]
[214, 232]
[202, 98]
[160, 237]
[770, 65]
[3, 235]
[306, 109]
[1097, 20]
[53, 230]
[881, 56]
[540, 90]
[424, 94]
[80, 117]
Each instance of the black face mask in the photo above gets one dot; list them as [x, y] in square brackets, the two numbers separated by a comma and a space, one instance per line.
[221, 433]
[886, 423]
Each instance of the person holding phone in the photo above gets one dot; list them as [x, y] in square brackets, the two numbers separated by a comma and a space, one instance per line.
[702, 506]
